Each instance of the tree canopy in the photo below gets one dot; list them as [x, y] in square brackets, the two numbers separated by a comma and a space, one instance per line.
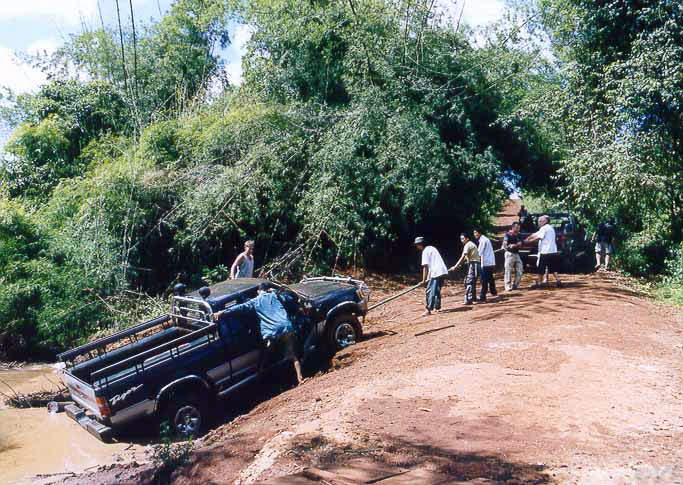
[358, 126]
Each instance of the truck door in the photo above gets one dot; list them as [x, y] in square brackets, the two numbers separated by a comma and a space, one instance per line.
[221, 375]
[245, 347]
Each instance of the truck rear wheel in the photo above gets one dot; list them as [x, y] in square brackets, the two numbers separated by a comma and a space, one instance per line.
[186, 416]
[342, 331]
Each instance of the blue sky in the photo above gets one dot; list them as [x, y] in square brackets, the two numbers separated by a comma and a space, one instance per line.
[43, 25]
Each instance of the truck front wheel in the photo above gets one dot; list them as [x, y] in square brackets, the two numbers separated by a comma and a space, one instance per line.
[342, 331]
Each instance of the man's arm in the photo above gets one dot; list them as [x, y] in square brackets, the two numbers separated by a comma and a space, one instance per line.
[247, 306]
[462, 258]
[425, 273]
[235, 265]
[533, 237]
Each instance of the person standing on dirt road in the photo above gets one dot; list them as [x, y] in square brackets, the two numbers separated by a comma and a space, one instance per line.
[434, 273]
[488, 265]
[513, 263]
[470, 255]
[522, 214]
[603, 242]
[243, 266]
[548, 257]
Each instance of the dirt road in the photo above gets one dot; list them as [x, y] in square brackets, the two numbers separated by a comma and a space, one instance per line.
[582, 384]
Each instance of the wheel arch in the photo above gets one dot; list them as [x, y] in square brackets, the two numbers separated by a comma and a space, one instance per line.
[345, 308]
[185, 384]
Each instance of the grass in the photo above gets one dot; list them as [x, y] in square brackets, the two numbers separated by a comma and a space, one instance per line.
[669, 293]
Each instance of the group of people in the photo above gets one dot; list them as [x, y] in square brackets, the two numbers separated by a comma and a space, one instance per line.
[480, 263]
[274, 308]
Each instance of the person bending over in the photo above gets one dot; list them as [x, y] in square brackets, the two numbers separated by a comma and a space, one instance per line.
[274, 322]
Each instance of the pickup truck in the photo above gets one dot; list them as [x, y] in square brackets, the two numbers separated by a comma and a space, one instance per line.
[570, 237]
[176, 365]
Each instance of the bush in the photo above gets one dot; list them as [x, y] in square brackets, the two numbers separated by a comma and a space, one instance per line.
[644, 253]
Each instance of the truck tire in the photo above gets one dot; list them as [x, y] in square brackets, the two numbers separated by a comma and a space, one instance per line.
[342, 331]
[186, 415]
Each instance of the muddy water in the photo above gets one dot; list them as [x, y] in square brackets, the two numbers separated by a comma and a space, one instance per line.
[33, 442]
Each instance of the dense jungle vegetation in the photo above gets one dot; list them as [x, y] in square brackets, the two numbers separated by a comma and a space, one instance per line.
[358, 125]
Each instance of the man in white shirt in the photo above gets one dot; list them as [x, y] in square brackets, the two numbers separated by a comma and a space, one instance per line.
[548, 257]
[434, 273]
[488, 265]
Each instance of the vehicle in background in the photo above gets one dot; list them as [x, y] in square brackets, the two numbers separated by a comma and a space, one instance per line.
[575, 249]
[176, 365]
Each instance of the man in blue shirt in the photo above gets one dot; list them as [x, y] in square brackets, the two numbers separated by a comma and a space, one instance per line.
[274, 321]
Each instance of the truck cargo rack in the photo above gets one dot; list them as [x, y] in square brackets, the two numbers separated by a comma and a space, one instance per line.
[137, 361]
[104, 341]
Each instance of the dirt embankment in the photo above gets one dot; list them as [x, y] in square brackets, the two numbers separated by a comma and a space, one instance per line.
[582, 384]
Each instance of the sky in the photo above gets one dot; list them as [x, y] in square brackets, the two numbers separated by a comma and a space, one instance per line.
[32, 26]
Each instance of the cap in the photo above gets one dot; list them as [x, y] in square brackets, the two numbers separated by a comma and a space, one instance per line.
[419, 240]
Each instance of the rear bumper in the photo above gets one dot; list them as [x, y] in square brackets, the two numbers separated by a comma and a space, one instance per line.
[94, 427]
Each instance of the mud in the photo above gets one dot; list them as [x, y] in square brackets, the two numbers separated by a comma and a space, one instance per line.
[39, 447]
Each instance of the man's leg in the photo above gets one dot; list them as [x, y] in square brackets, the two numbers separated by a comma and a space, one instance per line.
[598, 254]
[297, 369]
[484, 284]
[510, 265]
[469, 284]
[519, 270]
[288, 341]
[429, 294]
[608, 255]
[554, 266]
[438, 284]
[540, 270]
[492, 280]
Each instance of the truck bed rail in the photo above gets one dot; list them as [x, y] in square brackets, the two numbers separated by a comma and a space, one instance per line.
[83, 349]
[142, 356]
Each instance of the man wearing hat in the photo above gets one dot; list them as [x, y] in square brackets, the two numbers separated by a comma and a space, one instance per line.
[434, 273]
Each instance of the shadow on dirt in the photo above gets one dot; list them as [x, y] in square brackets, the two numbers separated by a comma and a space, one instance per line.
[276, 381]
[403, 454]
[373, 335]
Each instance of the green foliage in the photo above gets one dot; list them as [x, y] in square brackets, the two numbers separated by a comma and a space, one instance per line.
[537, 203]
[358, 126]
[166, 65]
[45, 301]
[167, 455]
[59, 122]
[617, 110]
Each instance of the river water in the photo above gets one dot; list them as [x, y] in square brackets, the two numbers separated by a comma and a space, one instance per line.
[34, 444]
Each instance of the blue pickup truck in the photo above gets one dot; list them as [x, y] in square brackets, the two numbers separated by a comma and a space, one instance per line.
[175, 366]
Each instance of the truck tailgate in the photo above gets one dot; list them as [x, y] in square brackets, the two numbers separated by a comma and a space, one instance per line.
[82, 393]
